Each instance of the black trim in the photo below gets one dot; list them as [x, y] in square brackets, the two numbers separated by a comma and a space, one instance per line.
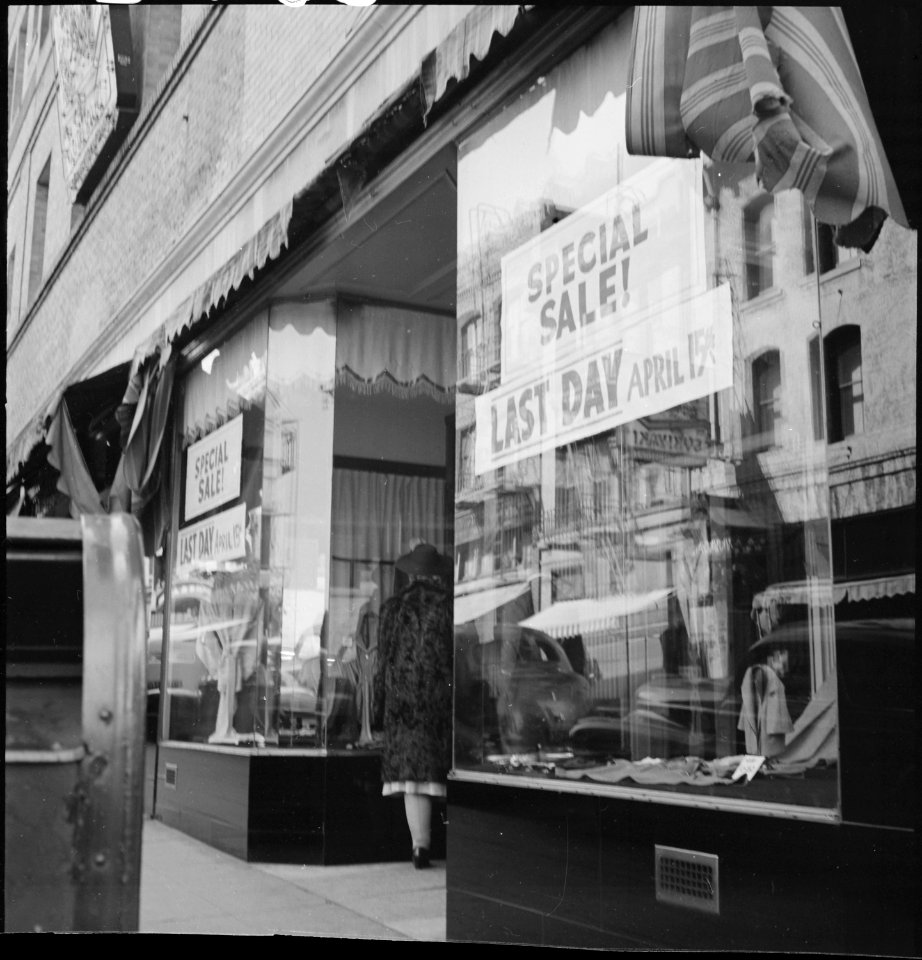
[389, 466]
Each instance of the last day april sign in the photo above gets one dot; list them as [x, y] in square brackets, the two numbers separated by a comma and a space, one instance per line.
[631, 371]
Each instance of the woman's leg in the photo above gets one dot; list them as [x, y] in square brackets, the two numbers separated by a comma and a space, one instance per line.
[419, 817]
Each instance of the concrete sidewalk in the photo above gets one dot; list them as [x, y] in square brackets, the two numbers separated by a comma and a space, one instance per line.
[190, 887]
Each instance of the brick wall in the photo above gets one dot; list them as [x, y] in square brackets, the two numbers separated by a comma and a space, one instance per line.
[255, 64]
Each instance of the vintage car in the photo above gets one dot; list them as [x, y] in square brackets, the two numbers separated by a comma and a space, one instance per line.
[539, 696]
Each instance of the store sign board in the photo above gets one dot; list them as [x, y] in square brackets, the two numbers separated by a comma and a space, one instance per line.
[213, 469]
[633, 370]
[685, 446]
[97, 89]
[636, 249]
[220, 537]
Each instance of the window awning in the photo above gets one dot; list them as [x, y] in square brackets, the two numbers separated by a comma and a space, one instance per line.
[451, 60]
[822, 591]
[474, 605]
[778, 87]
[570, 617]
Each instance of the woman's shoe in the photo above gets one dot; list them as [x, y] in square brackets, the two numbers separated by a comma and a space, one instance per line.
[420, 858]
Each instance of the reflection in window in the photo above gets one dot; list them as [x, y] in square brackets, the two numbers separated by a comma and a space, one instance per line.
[846, 395]
[844, 389]
[766, 390]
[758, 218]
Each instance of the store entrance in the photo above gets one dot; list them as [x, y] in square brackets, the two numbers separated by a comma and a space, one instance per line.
[388, 274]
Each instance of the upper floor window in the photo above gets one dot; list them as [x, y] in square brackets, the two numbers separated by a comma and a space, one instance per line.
[759, 245]
[766, 391]
[39, 219]
[844, 388]
[825, 249]
[845, 391]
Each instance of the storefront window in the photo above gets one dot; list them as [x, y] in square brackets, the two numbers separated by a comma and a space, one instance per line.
[643, 591]
[313, 456]
[220, 670]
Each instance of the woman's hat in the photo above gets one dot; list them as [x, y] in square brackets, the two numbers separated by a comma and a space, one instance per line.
[424, 561]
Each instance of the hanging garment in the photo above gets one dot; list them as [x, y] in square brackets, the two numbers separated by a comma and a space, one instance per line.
[764, 716]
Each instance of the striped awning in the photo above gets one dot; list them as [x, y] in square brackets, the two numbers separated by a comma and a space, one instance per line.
[775, 86]
[567, 618]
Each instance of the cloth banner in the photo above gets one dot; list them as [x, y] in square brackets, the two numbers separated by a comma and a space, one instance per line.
[775, 86]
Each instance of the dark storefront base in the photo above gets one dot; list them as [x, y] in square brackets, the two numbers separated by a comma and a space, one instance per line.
[533, 867]
[282, 808]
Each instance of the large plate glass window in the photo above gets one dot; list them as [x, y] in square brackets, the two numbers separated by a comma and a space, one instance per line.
[644, 591]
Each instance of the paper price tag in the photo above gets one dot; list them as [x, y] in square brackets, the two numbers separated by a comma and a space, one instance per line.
[748, 768]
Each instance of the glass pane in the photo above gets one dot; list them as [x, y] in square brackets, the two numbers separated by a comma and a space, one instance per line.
[297, 487]
[220, 671]
[643, 592]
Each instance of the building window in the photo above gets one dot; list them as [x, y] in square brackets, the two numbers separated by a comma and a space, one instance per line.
[470, 341]
[816, 389]
[766, 390]
[39, 219]
[844, 389]
[759, 245]
[845, 392]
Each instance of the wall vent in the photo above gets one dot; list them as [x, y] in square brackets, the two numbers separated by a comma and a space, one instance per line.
[169, 775]
[687, 878]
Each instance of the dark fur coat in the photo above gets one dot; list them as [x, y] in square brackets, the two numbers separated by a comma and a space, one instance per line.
[412, 683]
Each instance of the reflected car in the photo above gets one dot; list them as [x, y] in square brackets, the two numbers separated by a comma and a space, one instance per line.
[539, 695]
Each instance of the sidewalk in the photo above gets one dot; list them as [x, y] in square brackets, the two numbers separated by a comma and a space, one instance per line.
[190, 887]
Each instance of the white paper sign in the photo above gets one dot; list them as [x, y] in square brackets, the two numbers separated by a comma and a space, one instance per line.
[220, 537]
[635, 249]
[629, 371]
[748, 767]
[213, 469]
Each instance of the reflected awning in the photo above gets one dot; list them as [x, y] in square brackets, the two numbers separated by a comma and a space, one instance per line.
[474, 605]
[570, 617]
[823, 592]
[775, 86]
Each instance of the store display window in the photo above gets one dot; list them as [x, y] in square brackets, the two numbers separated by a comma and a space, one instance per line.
[643, 592]
[313, 446]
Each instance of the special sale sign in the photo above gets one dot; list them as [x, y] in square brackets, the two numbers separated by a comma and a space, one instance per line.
[606, 318]
[634, 370]
[213, 468]
[637, 248]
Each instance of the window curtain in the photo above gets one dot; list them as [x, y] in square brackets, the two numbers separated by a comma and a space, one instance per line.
[395, 350]
[380, 516]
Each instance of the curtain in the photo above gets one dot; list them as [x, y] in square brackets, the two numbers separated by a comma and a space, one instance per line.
[775, 86]
[403, 352]
[379, 516]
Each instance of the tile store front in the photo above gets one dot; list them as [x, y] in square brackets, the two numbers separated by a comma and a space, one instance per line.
[663, 421]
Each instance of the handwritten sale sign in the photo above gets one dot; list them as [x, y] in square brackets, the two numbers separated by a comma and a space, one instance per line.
[631, 371]
[213, 469]
[637, 248]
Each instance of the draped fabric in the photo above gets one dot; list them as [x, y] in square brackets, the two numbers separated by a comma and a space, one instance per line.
[775, 86]
[66, 456]
[403, 352]
[142, 479]
[377, 516]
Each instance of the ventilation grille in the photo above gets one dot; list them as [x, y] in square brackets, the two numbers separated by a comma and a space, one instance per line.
[687, 878]
[169, 774]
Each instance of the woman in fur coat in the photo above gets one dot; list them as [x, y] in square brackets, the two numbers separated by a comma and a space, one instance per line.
[412, 690]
